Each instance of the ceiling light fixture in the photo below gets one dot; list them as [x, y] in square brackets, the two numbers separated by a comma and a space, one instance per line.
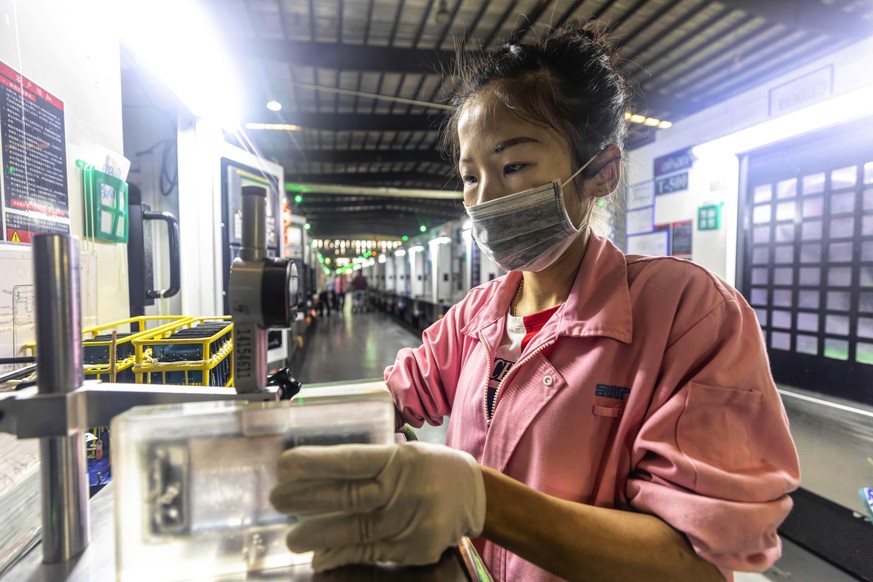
[274, 126]
[192, 61]
[647, 121]
[442, 14]
[274, 106]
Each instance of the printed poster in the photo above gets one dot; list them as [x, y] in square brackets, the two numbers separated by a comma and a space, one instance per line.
[34, 160]
[680, 238]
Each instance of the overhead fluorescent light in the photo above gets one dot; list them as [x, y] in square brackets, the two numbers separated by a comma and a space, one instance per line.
[274, 126]
[648, 121]
[191, 60]
[274, 106]
[400, 253]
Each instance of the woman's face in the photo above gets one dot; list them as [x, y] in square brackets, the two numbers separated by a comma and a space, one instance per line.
[502, 154]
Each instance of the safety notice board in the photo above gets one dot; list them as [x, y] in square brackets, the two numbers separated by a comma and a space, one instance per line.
[34, 159]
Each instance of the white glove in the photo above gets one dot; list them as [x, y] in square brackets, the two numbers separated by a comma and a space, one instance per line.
[388, 503]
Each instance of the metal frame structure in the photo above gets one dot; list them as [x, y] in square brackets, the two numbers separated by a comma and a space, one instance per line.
[324, 61]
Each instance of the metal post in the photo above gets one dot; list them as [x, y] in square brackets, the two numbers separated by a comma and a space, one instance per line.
[65, 519]
[254, 223]
[246, 280]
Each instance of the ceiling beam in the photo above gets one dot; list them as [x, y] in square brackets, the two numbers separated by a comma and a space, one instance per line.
[771, 68]
[358, 122]
[392, 209]
[371, 177]
[348, 156]
[362, 217]
[327, 201]
[323, 203]
[395, 214]
[388, 192]
[366, 228]
[811, 15]
[347, 57]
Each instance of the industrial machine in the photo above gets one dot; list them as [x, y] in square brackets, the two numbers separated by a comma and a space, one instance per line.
[192, 480]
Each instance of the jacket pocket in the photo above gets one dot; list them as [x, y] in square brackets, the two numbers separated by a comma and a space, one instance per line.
[714, 430]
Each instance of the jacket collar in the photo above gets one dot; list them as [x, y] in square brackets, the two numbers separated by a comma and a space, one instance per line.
[599, 303]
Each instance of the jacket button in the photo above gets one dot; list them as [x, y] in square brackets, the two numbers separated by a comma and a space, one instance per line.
[547, 380]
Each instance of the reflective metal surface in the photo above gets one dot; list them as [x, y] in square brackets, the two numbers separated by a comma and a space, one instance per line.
[65, 527]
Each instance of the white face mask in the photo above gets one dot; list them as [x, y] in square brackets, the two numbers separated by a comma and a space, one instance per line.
[527, 231]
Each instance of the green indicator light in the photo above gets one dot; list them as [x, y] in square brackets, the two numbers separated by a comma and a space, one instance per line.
[298, 198]
[11, 170]
[422, 228]
[307, 226]
[405, 238]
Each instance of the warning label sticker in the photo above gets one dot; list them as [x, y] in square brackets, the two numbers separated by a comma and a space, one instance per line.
[34, 160]
[20, 228]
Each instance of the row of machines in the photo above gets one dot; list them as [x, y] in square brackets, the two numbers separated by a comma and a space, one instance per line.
[420, 281]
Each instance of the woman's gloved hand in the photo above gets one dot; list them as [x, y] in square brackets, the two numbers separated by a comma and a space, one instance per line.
[386, 503]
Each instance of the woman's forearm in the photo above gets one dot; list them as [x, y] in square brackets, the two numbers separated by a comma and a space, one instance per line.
[582, 542]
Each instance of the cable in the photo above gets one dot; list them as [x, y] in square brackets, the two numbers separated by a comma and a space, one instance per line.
[169, 182]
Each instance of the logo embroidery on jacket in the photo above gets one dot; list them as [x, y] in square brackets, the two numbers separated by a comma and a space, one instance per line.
[609, 391]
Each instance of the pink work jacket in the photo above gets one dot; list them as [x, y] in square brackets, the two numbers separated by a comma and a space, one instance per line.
[648, 390]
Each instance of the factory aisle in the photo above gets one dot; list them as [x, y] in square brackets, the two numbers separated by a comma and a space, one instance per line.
[357, 346]
[351, 346]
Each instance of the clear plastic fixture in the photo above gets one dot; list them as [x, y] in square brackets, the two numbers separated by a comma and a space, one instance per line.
[192, 481]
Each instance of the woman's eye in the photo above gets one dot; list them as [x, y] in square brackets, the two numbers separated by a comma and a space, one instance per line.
[512, 168]
[469, 180]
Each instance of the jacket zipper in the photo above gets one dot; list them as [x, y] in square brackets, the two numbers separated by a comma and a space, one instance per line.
[487, 377]
[506, 378]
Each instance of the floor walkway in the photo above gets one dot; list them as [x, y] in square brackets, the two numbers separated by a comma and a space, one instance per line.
[352, 346]
[357, 346]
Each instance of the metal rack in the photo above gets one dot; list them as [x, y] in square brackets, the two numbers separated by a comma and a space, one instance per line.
[195, 352]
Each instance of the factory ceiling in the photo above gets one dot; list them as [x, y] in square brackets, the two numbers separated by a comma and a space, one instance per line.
[322, 60]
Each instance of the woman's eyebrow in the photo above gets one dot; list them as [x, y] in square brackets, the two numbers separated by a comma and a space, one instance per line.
[504, 145]
[514, 141]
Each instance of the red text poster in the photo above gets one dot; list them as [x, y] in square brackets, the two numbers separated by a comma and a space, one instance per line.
[34, 178]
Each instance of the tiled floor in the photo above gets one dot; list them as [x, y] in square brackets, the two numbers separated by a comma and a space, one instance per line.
[834, 443]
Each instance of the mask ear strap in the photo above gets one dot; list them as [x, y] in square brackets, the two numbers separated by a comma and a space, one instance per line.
[579, 171]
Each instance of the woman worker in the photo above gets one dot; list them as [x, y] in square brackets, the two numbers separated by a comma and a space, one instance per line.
[612, 417]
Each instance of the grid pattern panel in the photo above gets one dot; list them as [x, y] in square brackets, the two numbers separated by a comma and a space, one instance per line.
[811, 262]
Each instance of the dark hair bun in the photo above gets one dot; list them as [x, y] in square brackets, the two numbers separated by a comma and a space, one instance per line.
[569, 79]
